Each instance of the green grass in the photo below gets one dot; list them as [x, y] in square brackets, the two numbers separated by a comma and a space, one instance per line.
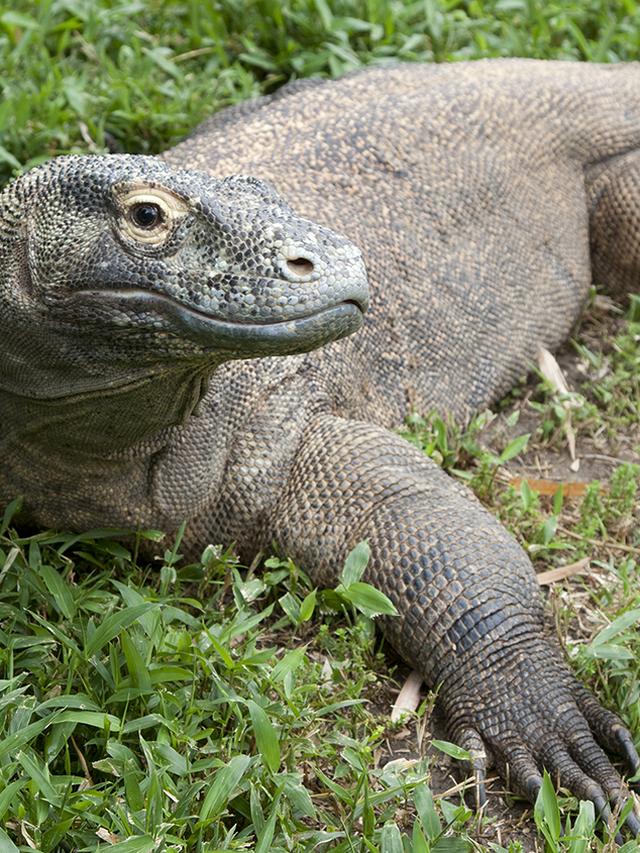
[81, 75]
[208, 708]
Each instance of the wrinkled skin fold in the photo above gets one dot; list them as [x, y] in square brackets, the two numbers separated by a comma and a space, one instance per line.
[485, 198]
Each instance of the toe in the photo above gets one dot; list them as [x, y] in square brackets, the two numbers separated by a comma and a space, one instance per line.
[470, 740]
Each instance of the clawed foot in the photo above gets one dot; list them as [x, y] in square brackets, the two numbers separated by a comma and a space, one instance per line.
[530, 714]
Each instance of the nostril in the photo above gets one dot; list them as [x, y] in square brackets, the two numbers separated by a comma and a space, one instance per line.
[300, 266]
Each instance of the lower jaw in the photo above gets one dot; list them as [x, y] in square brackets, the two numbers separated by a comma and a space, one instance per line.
[239, 339]
[285, 338]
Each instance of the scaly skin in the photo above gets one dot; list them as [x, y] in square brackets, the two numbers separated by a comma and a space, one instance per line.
[480, 194]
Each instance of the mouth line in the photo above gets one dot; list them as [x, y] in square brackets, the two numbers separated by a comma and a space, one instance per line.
[301, 333]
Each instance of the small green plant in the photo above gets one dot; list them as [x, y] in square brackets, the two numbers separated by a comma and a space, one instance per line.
[353, 591]
[461, 451]
[605, 511]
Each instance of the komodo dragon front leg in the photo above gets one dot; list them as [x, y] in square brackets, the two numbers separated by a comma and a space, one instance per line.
[470, 614]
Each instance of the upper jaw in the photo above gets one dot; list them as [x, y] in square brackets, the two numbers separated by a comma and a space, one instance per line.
[245, 338]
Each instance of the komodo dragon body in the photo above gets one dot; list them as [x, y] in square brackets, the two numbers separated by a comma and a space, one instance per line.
[484, 197]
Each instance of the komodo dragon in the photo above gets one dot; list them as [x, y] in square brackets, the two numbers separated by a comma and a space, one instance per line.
[485, 197]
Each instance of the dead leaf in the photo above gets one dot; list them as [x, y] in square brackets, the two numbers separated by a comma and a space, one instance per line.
[561, 572]
[326, 673]
[550, 487]
[551, 371]
[408, 698]
[23, 831]
[105, 835]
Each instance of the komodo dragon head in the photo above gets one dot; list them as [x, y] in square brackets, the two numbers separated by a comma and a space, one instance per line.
[113, 268]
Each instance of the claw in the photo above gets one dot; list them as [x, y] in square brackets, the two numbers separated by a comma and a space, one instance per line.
[480, 775]
[604, 812]
[627, 749]
[532, 787]
[602, 808]
[470, 740]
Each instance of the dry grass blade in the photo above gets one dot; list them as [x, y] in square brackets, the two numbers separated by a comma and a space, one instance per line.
[561, 572]
[408, 698]
[551, 371]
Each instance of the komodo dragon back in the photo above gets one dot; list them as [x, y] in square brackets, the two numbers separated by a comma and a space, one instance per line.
[480, 194]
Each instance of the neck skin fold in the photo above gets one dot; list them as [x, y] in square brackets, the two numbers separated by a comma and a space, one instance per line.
[94, 425]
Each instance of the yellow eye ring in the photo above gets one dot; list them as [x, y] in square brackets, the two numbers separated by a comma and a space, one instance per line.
[148, 214]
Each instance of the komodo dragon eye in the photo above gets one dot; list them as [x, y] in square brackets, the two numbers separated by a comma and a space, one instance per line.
[146, 215]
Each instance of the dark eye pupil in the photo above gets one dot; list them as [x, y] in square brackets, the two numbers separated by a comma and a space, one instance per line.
[146, 215]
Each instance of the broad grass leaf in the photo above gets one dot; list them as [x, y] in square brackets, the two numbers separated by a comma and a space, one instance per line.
[341, 793]
[299, 797]
[325, 14]
[257, 813]
[423, 799]
[391, 839]
[583, 828]
[355, 564]
[291, 607]
[616, 627]
[222, 786]
[59, 635]
[265, 837]
[141, 723]
[452, 845]
[546, 812]
[18, 739]
[307, 607]
[514, 448]
[609, 651]
[113, 625]
[6, 797]
[161, 673]
[60, 591]
[14, 507]
[138, 844]
[19, 20]
[6, 844]
[136, 665]
[40, 778]
[133, 791]
[79, 701]
[452, 749]
[418, 841]
[369, 600]
[177, 764]
[289, 663]
[267, 740]
[96, 719]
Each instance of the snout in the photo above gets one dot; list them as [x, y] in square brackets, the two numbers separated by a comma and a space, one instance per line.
[271, 265]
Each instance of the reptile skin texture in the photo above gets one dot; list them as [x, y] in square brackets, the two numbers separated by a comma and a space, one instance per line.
[485, 198]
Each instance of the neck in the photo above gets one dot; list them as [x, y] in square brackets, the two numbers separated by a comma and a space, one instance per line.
[97, 424]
